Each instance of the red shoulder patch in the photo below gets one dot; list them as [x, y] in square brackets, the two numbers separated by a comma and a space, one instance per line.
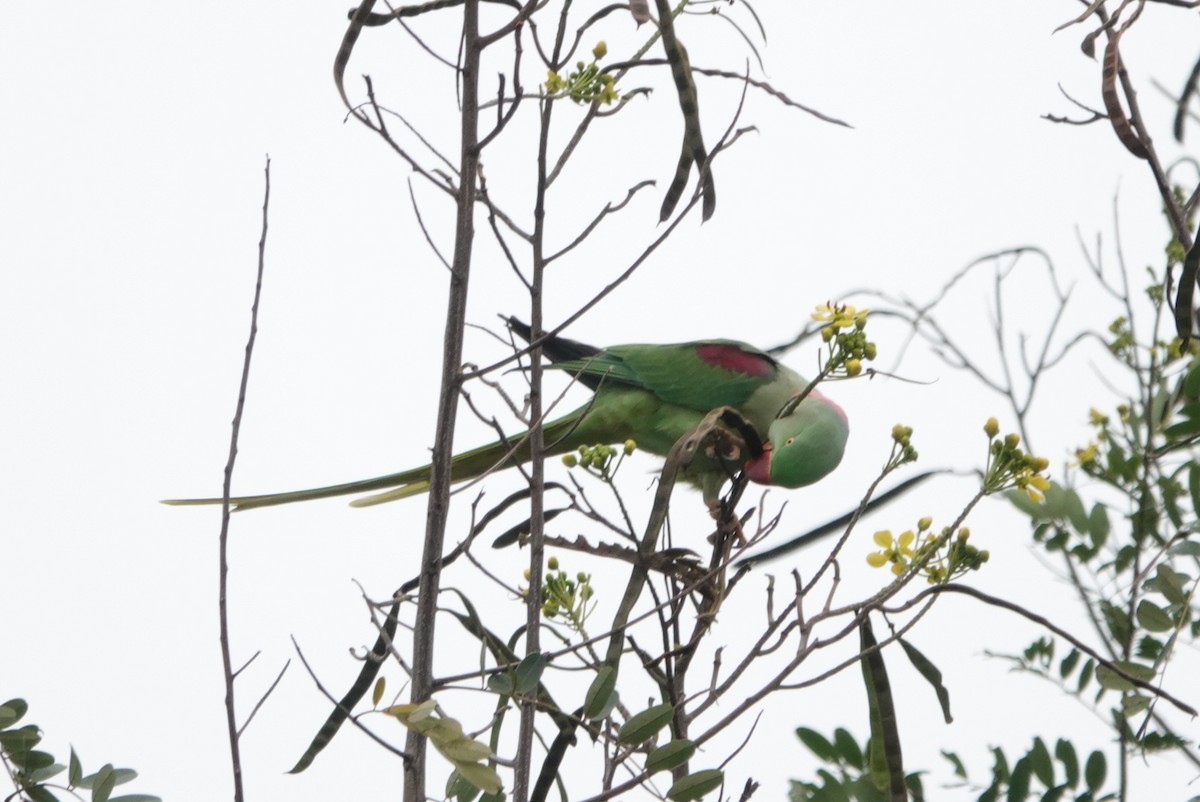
[734, 359]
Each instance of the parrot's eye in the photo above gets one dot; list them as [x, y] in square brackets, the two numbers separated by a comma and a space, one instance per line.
[788, 441]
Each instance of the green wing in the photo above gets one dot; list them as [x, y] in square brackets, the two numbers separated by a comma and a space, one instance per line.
[698, 375]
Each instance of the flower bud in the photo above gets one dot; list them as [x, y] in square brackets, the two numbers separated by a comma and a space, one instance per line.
[991, 428]
[600, 50]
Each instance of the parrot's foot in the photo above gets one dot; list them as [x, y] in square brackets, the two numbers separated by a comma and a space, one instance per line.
[728, 526]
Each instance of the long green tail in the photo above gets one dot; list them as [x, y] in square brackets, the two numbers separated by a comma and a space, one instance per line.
[561, 436]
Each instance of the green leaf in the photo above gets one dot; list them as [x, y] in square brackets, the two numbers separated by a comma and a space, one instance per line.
[1098, 525]
[1054, 794]
[1041, 763]
[847, 749]
[999, 765]
[696, 785]
[1117, 464]
[459, 788]
[1134, 703]
[1095, 771]
[1152, 617]
[103, 782]
[915, 789]
[39, 793]
[21, 739]
[1187, 548]
[1113, 681]
[502, 684]
[1117, 620]
[1191, 380]
[1149, 648]
[932, 675]
[463, 750]
[1068, 663]
[119, 776]
[817, 743]
[670, 755]
[482, 777]
[600, 693]
[1018, 783]
[377, 693]
[1125, 557]
[46, 772]
[1183, 429]
[1056, 502]
[36, 760]
[1170, 501]
[11, 712]
[135, 798]
[1170, 584]
[529, 672]
[74, 769]
[1188, 426]
[643, 726]
[1064, 750]
[1034, 509]
[1076, 513]
[959, 769]
[1085, 676]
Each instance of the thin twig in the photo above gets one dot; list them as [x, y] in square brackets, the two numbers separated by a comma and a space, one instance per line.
[223, 541]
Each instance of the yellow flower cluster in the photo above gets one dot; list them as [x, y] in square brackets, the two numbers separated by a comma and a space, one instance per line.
[565, 597]
[902, 447]
[902, 552]
[586, 83]
[1009, 466]
[897, 552]
[599, 458]
[840, 316]
[1086, 457]
[848, 343]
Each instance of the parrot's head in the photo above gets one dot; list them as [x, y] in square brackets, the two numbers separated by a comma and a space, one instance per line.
[803, 446]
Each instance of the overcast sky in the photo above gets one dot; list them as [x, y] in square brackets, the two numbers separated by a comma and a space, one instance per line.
[131, 178]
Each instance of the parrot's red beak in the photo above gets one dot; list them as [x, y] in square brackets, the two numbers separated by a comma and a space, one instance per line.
[759, 468]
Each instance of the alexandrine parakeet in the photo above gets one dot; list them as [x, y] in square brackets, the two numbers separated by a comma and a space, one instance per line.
[653, 395]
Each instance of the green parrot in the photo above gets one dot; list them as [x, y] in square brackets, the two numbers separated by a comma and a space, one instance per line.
[653, 395]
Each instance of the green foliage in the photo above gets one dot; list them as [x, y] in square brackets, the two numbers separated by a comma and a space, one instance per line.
[645, 725]
[847, 775]
[1035, 774]
[32, 769]
[1142, 455]
[696, 785]
[468, 756]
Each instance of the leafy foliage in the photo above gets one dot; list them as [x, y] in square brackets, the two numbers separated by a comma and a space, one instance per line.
[33, 771]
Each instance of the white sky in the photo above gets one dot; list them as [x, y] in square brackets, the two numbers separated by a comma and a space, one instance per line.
[131, 173]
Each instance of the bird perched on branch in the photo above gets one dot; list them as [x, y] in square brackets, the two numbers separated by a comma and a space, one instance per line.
[653, 395]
